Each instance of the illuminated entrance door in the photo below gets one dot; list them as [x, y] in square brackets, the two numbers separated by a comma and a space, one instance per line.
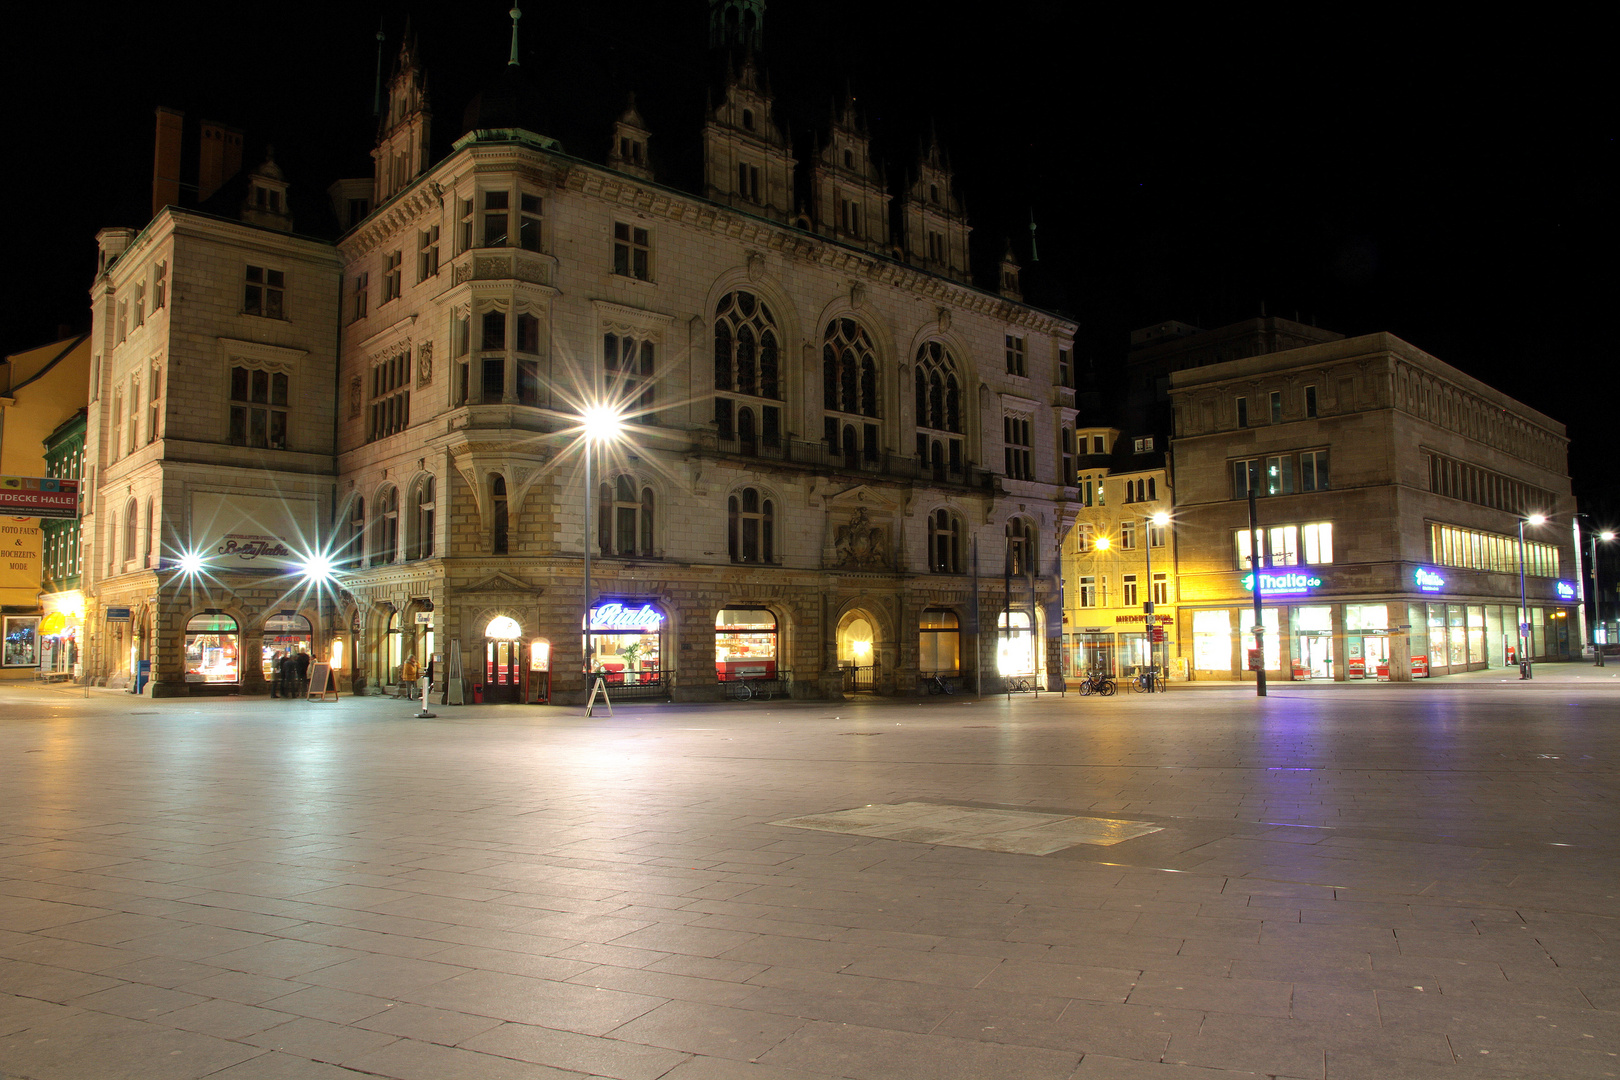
[503, 661]
[857, 653]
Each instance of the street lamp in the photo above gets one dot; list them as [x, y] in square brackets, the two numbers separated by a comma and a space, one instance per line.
[1606, 536]
[598, 424]
[1161, 519]
[1524, 604]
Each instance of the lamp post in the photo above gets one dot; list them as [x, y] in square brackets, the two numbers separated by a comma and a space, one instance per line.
[600, 424]
[1606, 536]
[1161, 519]
[1525, 671]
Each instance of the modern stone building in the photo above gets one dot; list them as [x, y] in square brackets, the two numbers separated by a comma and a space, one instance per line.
[839, 468]
[1391, 491]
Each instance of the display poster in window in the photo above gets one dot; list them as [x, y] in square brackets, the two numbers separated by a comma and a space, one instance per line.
[252, 532]
[22, 544]
[21, 646]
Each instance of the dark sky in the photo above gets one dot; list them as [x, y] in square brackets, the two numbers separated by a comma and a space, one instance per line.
[1449, 180]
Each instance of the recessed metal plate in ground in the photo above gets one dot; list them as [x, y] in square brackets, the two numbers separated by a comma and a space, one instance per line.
[1021, 832]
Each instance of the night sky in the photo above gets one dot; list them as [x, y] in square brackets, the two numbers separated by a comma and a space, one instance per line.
[1448, 180]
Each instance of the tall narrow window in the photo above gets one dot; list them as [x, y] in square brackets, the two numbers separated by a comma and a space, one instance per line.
[1065, 369]
[627, 370]
[131, 527]
[496, 218]
[422, 524]
[259, 403]
[1310, 401]
[264, 292]
[944, 543]
[160, 286]
[361, 286]
[464, 220]
[427, 253]
[1161, 588]
[1242, 412]
[154, 403]
[1129, 582]
[393, 275]
[493, 345]
[1276, 406]
[1015, 355]
[751, 527]
[498, 540]
[1020, 546]
[1016, 447]
[385, 535]
[529, 222]
[747, 363]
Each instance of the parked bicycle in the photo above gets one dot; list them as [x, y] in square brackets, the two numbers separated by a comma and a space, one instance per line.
[937, 685]
[1147, 681]
[748, 689]
[1098, 683]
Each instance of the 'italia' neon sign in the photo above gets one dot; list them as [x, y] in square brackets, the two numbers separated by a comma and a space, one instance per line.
[1275, 584]
[615, 617]
[1429, 581]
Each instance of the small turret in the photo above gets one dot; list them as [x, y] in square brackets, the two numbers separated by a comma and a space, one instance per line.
[628, 152]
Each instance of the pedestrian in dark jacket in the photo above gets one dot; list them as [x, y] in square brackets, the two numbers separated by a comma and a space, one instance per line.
[275, 674]
[302, 662]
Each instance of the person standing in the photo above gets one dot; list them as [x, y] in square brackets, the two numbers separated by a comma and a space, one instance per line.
[302, 663]
[286, 677]
[275, 674]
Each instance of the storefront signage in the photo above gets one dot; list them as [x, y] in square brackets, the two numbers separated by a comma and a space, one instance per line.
[39, 497]
[1566, 591]
[1166, 619]
[615, 617]
[1428, 580]
[424, 618]
[118, 614]
[1275, 584]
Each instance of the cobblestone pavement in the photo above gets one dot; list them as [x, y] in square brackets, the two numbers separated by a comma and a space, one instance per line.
[1377, 882]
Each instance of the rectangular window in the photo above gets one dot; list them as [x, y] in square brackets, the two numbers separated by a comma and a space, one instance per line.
[496, 218]
[160, 285]
[1313, 470]
[1143, 446]
[1084, 538]
[1242, 412]
[494, 332]
[528, 334]
[140, 305]
[264, 292]
[529, 222]
[1318, 538]
[748, 181]
[1285, 545]
[852, 217]
[1015, 355]
[1276, 406]
[1244, 474]
[1130, 590]
[258, 408]
[1280, 475]
[1157, 534]
[464, 215]
[1065, 369]
[393, 276]
[123, 322]
[627, 369]
[427, 253]
[154, 403]
[1067, 449]
[632, 251]
[361, 284]
[1450, 545]
[1161, 589]
[1310, 402]
[1017, 447]
[1127, 535]
[1088, 592]
[390, 396]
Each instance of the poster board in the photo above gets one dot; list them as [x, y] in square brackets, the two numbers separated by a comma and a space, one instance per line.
[321, 686]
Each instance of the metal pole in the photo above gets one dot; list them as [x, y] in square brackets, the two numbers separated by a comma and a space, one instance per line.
[585, 618]
[1147, 606]
[1524, 613]
[1254, 576]
[1597, 604]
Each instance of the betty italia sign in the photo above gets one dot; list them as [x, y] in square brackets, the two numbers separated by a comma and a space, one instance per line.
[615, 618]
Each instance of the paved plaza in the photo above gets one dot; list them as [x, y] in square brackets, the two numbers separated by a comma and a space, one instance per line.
[1357, 881]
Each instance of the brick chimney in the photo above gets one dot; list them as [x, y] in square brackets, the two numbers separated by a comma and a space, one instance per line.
[219, 159]
[166, 159]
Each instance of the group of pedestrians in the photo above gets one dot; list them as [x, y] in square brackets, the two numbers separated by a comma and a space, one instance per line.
[289, 673]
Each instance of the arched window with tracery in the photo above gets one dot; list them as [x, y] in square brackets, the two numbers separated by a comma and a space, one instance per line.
[385, 526]
[939, 411]
[624, 517]
[751, 526]
[423, 506]
[1020, 546]
[849, 390]
[131, 530]
[944, 542]
[747, 366]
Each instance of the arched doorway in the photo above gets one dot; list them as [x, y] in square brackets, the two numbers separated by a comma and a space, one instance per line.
[858, 652]
[212, 648]
[503, 660]
[285, 631]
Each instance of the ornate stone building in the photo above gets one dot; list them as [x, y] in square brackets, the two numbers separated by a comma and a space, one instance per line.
[839, 463]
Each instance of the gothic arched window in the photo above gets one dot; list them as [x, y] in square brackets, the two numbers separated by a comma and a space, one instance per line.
[751, 526]
[385, 528]
[939, 410]
[420, 545]
[747, 364]
[849, 386]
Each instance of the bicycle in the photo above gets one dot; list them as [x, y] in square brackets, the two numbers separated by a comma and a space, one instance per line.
[937, 685]
[1099, 684]
[1148, 681]
[748, 689]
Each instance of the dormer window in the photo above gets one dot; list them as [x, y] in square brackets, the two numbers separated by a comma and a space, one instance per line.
[933, 193]
[849, 159]
[748, 119]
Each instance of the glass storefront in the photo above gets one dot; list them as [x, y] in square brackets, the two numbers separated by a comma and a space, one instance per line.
[1366, 638]
[1313, 634]
[21, 641]
[212, 649]
[939, 642]
[744, 644]
[284, 632]
[626, 641]
[1015, 644]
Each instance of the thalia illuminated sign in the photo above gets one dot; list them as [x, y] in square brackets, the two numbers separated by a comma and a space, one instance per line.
[1429, 581]
[618, 618]
[1566, 591]
[1274, 584]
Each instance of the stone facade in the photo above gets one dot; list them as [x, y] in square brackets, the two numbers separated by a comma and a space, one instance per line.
[1421, 474]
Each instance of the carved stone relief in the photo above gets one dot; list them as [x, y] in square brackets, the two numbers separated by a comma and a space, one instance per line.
[424, 363]
[860, 544]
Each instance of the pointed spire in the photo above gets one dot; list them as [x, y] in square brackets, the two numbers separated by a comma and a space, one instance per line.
[516, 13]
[376, 93]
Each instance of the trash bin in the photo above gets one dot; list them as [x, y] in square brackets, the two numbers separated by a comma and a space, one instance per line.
[478, 693]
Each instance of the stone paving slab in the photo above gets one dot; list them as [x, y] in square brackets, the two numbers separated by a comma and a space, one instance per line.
[1389, 882]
